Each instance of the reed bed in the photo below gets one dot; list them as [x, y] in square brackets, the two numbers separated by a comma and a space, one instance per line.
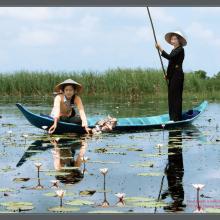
[114, 82]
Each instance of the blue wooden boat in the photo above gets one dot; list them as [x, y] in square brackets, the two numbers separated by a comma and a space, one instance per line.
[123, 124]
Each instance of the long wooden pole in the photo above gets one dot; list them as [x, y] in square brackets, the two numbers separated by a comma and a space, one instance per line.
[164, 72]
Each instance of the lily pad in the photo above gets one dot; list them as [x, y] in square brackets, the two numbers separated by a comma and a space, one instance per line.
[105, 211]
[53, 194]
[79, 202]
[149, 204]
[18, 206]
[6, 190]
[104, 162]
[138, 199]
[212, 210]
[34, 151]
[146, 164]
[134, 149]
[56, 173]
[87, 192]
[63, 209]
[100, 150]
[21, 179]
[7, 169]
[150, 174]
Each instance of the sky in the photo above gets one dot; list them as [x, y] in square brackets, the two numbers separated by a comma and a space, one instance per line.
[99, 38]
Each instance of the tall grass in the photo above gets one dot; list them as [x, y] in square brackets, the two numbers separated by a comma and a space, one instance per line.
[120, 82]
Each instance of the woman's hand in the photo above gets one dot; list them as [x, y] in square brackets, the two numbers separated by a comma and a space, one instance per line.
[85, 126]
[158, 47]
[52, 128]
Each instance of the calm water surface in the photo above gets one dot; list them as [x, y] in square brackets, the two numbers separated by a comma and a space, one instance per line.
[155, 178]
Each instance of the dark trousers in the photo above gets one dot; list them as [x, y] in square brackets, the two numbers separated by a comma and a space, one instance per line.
[75, 119]
[175, 92]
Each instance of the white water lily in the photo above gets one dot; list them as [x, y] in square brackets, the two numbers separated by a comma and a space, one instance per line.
[84, 159]
[60, 193]
[163, 125]
[199, 210]
[103, 170]
[44, 127]
[159, 145]
[10, 132]
[198, 186]
[38, 165]
[120, 195]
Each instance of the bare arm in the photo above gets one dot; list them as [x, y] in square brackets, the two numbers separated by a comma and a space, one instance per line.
[80, 107]
[55, 113]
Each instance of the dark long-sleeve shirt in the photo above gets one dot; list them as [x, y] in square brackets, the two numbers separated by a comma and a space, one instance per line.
[175, 58]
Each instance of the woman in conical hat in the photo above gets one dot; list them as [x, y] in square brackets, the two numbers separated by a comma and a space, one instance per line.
[63, 109]
[175, 74]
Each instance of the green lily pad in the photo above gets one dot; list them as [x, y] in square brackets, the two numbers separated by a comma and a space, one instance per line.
[34, 151]
[135, 149]
[150, 174]
[21, 179]
[18, 206]
[146, 164]
[138, 199]
[79, 202]
[149, 204]
[87, 192]
[6, 190]
[7, 169]
[104, 162]
[156, 155]
[119, 153]
[56, 173]
[105, 211]
[212, 210]
[100, 150]
[63, 209]
[53, 194]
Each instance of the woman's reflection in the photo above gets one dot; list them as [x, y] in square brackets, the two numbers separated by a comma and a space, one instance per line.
[66, 160]
[175, 172]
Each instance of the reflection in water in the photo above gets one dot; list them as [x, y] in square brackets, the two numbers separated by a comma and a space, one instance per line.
[174, 172]
[64, 161]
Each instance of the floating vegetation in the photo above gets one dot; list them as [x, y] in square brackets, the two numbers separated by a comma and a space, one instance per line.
[79, 202]
[138, 199]
[18, 206]
[104, 162]
[149, 204]
[6, 190]
[56, 173]
[156, 155]
[21, 179]
[145, 164]
[7, 169]
[101, 150]
[105, 211]
[63, 209]
[212, 210]
[135, 149]
[54, 194]
[150, 174]
[87, 192]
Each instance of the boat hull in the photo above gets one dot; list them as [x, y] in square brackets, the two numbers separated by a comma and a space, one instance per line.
[123, 124]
